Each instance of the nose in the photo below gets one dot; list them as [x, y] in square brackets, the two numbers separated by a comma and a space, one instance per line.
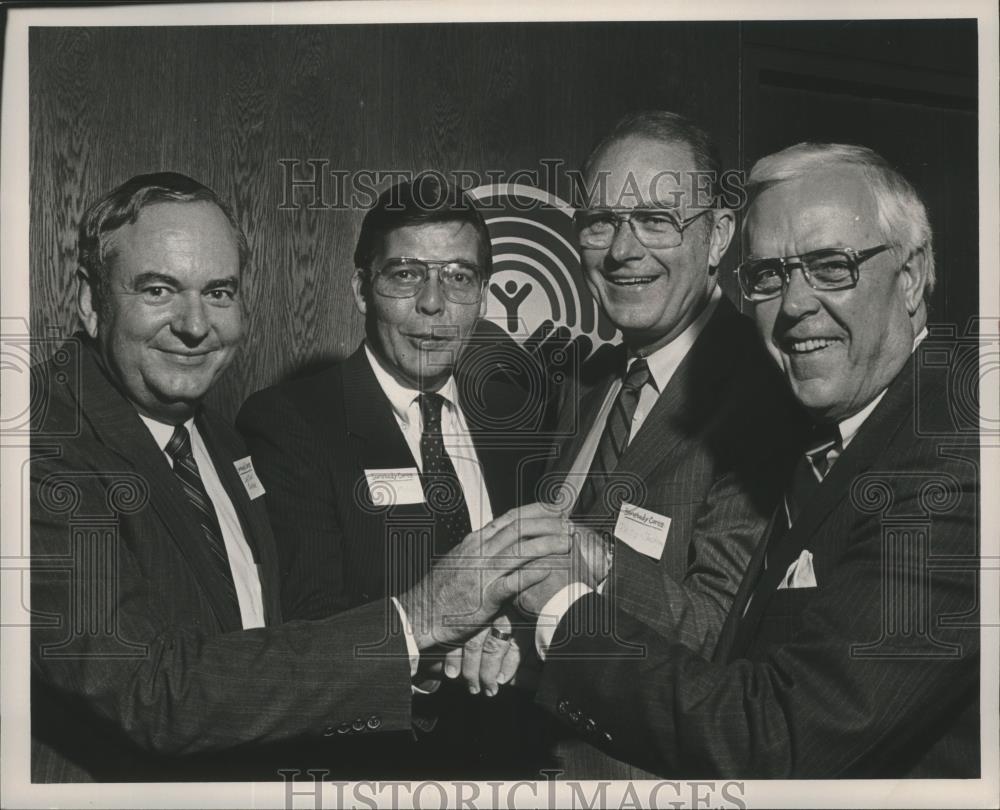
[190, 318]
[798, 298]
[430, 300]
[625, 245]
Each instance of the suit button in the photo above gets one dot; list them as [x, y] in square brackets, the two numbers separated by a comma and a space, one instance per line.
[329, 731]
[590, 726]
[574, 718]
[563, 707]
[344, 728]
[607, 737]
[358, 725]
[374, 722]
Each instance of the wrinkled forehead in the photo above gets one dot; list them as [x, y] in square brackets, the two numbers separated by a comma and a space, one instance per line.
[642, 172]
[827, 208]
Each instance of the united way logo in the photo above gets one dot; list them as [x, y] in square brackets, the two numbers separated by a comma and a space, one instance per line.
[537, 281]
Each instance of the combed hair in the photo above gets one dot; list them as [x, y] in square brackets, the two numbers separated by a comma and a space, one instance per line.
[427, 200]
[902, 216]
[121, 207]
[665, 127]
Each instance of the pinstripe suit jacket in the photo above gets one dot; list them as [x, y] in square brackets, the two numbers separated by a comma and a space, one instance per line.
[313, 439]
[711, 455]
[140, 670]
[872, 673]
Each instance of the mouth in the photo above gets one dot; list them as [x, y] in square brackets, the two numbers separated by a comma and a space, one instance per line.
[630, 281]
[188, 358]
[805, 346]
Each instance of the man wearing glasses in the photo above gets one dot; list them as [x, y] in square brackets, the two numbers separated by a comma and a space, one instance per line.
[380, 464]
[676, 448]
[852, 649]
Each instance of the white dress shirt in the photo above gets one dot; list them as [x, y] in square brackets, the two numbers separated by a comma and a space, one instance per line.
[405, 404]
[245, 576]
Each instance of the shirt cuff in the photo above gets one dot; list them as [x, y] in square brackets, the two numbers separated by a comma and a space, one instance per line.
[552, 613]
[411, 642]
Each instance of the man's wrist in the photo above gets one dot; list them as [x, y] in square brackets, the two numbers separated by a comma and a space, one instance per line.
[553, 612]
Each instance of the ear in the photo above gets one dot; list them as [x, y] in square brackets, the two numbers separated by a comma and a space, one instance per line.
[913, 279]
[85, 303]
[358, 285]
[723, 227]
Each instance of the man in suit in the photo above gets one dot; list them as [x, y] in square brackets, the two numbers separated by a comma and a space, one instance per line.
[380, 463]
[852, 649]
[157, 652]
[669, 429]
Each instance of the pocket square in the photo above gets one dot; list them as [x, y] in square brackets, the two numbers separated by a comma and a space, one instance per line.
[800, 573]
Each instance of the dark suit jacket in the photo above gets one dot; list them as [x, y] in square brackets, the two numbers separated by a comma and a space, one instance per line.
[872, 673]
[312, 440]
[711, 455]
[140, 670]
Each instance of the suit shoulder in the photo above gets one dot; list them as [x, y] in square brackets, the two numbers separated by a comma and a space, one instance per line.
[321, 390]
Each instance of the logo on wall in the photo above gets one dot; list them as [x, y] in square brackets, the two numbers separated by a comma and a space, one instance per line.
[536, 268]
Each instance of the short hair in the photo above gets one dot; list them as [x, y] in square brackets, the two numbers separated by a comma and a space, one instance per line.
[902, 216]
[426, 200]
[665, 127]
[122, 206]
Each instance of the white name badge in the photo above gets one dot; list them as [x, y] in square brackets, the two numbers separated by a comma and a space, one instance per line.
[643, 530]
[393, 487]
[244, 467]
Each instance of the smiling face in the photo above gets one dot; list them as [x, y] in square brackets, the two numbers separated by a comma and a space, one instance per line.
[653, 295]
[173, 318]
[418, 339]
[838, 349]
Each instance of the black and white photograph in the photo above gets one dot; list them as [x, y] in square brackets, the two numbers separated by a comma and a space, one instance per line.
[435, 404]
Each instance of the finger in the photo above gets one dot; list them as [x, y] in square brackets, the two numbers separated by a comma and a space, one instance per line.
[519, 533]
[471, 656]
[508, 669]
[514, 582]
[453, 662]
[494, 652]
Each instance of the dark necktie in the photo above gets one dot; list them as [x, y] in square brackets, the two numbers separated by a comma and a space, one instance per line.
[186, 470]
[614, 439]
[813, 465]
[442, 490]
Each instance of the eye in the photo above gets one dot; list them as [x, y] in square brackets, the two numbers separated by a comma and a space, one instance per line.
[654, 221]
[221, 295]
[156, 293]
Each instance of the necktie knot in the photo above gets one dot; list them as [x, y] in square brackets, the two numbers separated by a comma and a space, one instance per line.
[430, 411]
[824, 449]
[637, 376]
[179, 446]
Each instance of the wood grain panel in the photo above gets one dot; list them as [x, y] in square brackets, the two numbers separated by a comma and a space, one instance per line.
[226, 104]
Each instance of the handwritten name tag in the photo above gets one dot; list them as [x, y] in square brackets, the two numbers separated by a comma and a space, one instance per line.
[392, 487]
[244, 468]
[643, 530]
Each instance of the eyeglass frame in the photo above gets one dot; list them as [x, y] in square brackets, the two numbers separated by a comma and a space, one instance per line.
[430, 263]
[680, 225]
[786, 264]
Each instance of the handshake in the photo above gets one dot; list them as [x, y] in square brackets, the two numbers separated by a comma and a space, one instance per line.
[466, 607]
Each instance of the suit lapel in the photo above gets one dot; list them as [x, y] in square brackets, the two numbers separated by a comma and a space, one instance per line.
[783, 545]
[119, 427]
[225, 450]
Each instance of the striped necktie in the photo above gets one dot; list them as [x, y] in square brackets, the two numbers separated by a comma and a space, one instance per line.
[615, 437]
[186, 470]
[824, 448]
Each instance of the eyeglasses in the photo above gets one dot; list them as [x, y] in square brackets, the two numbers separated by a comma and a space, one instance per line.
[825, 270]
[655, 228]
[404, 277]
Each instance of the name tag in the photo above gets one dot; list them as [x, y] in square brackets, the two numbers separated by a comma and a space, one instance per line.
[393, 487]
[244, 468]
[643, 530]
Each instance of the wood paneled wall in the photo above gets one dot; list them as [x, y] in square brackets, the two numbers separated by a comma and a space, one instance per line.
[227, 104]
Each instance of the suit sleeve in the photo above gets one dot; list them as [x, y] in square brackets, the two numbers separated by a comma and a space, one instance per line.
[846, 691]
[104, 643]
[300, 502]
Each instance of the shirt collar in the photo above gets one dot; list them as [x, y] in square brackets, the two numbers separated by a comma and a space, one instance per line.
[400, 396]
[849, 427]
[665, 360]
[162, 431]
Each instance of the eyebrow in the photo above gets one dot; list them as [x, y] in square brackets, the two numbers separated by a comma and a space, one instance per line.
[144, 279]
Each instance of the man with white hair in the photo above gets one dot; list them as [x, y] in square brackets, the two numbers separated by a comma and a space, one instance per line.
[852, 648]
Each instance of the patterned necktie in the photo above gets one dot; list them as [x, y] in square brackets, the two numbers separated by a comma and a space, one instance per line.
[186, 470]
[442, 490]
[614, 439]
[813, 465]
